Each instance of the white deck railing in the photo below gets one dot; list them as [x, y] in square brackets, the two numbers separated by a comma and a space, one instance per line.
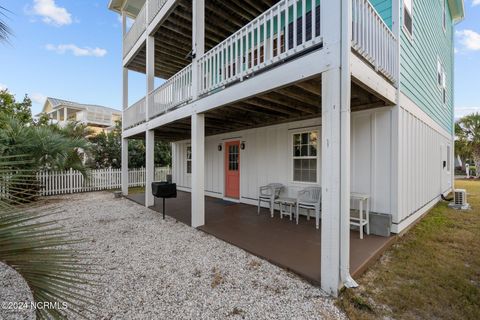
[72, 181]
[272, 37]
[136, 30]
[265, 40]
[174, 92]
[135, 114]
[154, 7]
[373, 39]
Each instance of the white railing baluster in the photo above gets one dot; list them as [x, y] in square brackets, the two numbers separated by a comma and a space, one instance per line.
[241, 53]
[373, 39]
[136, 30]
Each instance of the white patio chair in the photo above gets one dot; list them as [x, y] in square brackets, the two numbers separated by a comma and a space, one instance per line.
[268, 194]
[310, 198]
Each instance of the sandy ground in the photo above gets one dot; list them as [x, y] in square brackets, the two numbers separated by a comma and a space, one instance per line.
[155, 269]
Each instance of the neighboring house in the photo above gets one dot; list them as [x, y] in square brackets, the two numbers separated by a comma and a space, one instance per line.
[352, 98]
[97, 118]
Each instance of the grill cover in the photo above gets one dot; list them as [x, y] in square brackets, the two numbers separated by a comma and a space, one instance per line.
[164, 189]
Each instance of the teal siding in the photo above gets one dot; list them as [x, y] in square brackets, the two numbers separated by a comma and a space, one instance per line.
[384, 8]
[418, 68]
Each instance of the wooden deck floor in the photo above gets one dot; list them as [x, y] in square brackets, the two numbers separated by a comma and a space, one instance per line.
[280, 241]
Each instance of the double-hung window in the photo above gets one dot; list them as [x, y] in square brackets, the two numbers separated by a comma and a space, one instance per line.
[408, 16]
[305, 156]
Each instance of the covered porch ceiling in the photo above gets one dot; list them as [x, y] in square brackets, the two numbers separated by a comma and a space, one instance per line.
[296, 102]
[173, 38]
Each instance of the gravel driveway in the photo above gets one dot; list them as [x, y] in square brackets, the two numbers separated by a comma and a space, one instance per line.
[155, 269]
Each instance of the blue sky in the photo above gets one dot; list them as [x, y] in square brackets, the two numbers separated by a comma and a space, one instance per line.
[71, 49]
[65, 49]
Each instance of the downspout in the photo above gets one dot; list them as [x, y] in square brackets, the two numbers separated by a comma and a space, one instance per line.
[345, 124]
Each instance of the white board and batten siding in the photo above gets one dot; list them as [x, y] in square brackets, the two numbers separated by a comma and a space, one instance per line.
[267, 158]
[423, 146]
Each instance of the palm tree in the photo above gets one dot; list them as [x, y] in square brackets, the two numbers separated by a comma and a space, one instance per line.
[50, 148]
[5, 31]
[467, 131]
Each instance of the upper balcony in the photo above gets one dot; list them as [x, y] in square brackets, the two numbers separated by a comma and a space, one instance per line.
[241, 42]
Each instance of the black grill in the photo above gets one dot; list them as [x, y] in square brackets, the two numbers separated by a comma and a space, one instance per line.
[164, 190]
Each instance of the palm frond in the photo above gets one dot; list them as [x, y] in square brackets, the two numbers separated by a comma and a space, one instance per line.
[34, 244]
[5, 31]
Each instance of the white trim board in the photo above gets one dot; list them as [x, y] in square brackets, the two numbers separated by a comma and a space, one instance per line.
[408, 105]
[370, 78]
[410, 220]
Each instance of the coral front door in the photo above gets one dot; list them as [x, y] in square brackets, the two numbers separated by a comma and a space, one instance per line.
[232, 169]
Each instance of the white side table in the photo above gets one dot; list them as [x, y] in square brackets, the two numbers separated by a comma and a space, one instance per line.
[364, 208]
[283, 203]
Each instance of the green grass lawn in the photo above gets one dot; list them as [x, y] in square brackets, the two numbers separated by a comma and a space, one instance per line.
[432, 272]
[132, 190]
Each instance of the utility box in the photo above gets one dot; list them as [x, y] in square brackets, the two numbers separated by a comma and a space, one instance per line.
[380, 224]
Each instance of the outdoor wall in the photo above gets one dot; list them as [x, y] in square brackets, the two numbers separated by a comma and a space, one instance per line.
[419, 56]
[384, 8]
[267, 158]
[423, 147]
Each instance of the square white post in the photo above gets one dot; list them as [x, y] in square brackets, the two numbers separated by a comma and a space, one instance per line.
[124, 166]
[124, 107]
[198, 42]
[198, 170]
[149, 167]
[396, 130]
[336, 82]
[65, 114]
[150, 75]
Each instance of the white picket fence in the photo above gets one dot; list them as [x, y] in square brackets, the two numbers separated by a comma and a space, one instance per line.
[72, 181]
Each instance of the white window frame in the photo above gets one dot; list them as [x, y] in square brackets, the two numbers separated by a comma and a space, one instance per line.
[292, 157]
[444, 88]
[187, 160]
[449, 160]
[405, 29]
[444, 15]
[441, 79]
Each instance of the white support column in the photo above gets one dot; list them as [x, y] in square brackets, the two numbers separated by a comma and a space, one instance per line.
[150, 74]
[124, 166]
[198, 170]
[396, 135]
[124, 107]
[65, 114]
[345, 146]
[198, 42]
[124, 24]
[58, 116]
[149, 167]
[336, 83]
[174, 166]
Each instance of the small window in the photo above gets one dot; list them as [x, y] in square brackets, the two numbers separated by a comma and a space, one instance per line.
[233, 157]
[189, 159]
[439, 72]
[408, 16]
[305, 156]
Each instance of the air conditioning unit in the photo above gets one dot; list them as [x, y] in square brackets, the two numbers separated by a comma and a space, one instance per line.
[460, 200]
